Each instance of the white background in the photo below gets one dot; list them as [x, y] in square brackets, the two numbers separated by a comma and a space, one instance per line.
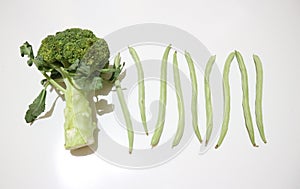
[33, 157]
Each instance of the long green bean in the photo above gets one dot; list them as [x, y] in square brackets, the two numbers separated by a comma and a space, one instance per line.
[180, 103]
[258, 98]
[163, 99]
[194, 103]
[124, 107]
[246, 108]
[141, 86]
[226, 91]
[208, 103]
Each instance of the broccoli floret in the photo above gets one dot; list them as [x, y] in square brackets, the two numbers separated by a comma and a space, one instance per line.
[77, 57]
[71, 45]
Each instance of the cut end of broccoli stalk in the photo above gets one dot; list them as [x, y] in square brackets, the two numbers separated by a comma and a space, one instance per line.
[80, 121]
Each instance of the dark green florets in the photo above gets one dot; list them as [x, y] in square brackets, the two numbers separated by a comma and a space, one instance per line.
[72, 45]
[76, 54]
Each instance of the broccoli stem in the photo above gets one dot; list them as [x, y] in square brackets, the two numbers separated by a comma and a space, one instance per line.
[79, 117]
[54, 84]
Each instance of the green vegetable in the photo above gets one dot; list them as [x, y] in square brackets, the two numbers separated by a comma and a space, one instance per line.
[75, 63]
[37, 107]
[79, 124]
[163, 99]
[246, 108]
[194, 102]
[124, 106]
[26, 49]
[141, 86]
[180, 103]
[74, 57]
[208, 104]
[258, 98]
[226, 89]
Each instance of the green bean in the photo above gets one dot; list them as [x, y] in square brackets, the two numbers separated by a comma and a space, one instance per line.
[258, 98]
[163, 99]
[141, 86]
[180, 104]
[194, 103]
[208, 104]
[246, 108]
[226, 91]
[124, 107]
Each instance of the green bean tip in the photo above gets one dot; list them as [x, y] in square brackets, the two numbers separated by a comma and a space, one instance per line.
[206, 142]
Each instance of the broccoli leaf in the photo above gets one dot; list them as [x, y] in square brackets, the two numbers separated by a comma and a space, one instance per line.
[117, 72]
[89, 83]
[37, 107]
[26, 49]
[87, 76]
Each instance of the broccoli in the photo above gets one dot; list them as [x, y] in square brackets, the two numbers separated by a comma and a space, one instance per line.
[73, 62]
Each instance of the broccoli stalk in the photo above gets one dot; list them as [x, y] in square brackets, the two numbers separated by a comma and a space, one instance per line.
[77, 59]
[79, 124]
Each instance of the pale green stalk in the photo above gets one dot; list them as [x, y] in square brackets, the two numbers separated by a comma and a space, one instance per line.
[163, 99]
[180, 103]
[246, 107]
[208, 103]
[124, 107]
[194, 102]
[79, 124]
[258, 98]
[141, 86]
[226, 91]
[54, 84]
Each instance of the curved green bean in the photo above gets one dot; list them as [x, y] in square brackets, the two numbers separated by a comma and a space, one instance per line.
[246, 108]
[124, 107]
[180, 103]
[208, 104]
[163, 99]
[141, 86]
[194, 103]
[258, 98]
[245, 103]
[226, 91]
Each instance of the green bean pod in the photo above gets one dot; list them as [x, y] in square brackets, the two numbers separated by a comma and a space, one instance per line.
[194, 102]
[124, 107]
[226, 91]
[246, 108]
[180, 103]
[163, 99]
[208, 103]
[258, 98]
[141, 87]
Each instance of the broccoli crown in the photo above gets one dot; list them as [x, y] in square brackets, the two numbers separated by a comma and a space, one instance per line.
[72, 45]
[75, 54]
